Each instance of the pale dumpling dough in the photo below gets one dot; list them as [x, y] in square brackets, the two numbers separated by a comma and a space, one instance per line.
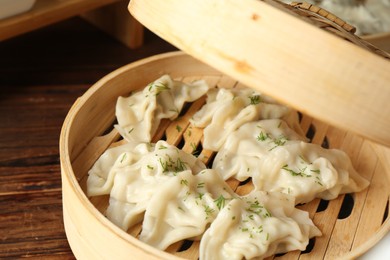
[257, 226]
[139, 115]
[227, 109]
[239, 156]
[135, 175]
[308, 171]
[183, 207]
[101, 175]
[277, 160]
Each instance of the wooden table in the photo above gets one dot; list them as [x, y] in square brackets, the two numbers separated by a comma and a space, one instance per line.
[41, 75]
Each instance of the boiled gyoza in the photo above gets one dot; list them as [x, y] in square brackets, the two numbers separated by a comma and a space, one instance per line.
[228, 109]
[278, 160]
[139, 115]
[183, 207]
[241, 151]
[308, 171]
[101, 175]
[135, 175]
[257, 226]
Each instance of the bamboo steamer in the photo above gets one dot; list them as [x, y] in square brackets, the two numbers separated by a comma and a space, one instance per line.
[351, 224]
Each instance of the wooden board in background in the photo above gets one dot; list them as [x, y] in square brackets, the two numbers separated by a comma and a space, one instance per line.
[113, 18]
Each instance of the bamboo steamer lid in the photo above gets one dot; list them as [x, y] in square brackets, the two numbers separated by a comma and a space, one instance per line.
[284, 51]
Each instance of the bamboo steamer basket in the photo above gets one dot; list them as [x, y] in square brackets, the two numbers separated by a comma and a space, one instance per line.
[351, 224]
[350, 228]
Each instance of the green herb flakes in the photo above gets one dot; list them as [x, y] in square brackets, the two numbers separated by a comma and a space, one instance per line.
[220, 202]
[255, 99]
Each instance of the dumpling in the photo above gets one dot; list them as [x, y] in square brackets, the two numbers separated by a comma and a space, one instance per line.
[257, 226]
[139, 115]
[183, 207]
[279, 160]
[134, 177]
[101, 175]
[227, 109]
[307, 171]
[241, 151]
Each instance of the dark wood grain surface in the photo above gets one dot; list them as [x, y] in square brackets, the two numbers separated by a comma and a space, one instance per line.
[41, 75]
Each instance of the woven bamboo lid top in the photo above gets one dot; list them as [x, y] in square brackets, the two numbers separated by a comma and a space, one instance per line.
[286, 52]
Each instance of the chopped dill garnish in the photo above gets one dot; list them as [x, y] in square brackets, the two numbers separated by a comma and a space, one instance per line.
[208, 211]
[157, 87]
[260, 229]
[193, 145]
[164, 166]
[200, 185]
[300, 173]
[257, 208]
[172, 166]
[262, 136]
[180, 165]
[220, 202]
[280, 141]
[255, 99]
[318, 181]
[123, 157]
[195, 151]
[316, 171]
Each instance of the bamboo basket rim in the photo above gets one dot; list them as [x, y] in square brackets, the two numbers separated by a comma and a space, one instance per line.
[69, 175]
